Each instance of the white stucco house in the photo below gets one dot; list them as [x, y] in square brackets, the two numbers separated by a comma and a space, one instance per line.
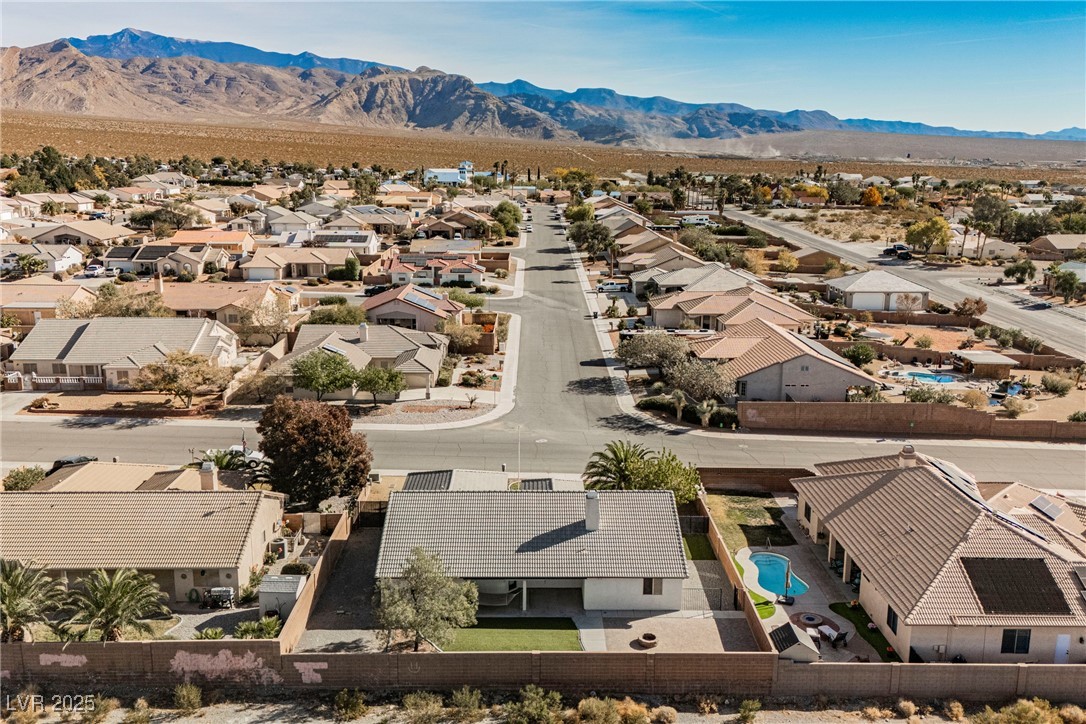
[877, 291]
[615, 550]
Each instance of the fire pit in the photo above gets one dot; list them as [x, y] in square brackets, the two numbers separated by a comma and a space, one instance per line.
[647, 640]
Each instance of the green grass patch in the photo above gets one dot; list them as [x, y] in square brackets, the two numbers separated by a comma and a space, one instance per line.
[697, 547]
[859, 618]
[159, 627]
[749, 520]
[518, 634]
[762, 605]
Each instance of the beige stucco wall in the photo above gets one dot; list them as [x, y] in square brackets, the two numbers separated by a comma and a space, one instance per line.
[424, 321]
[670, 318]
[982, 644]
[820, 382]
[626, 594]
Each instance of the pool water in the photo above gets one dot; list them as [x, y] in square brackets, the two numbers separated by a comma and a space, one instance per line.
[771, 571]
[929, 377]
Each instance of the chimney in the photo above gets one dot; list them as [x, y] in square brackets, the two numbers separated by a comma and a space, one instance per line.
[363, 332]
[160, 285]
[907, 457]
[209, 476]
[592, 510]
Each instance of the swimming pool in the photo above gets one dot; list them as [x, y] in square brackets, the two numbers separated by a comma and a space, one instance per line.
[771, 573]
[930, 377]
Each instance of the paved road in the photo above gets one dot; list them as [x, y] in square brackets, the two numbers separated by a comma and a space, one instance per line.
[565, 410]
[1063, 329]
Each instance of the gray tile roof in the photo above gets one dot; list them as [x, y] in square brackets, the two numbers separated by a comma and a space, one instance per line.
[411, 351]
[876, 281]
[124, 340]
[431, 480]
[520, 534]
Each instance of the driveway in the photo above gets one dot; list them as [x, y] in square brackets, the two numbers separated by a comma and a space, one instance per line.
[343, 618]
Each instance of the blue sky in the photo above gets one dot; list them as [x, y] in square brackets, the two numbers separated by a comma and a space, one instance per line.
[978, 65]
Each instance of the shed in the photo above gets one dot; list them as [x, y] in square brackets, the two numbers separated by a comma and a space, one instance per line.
[793, 643]
[983, 363]
[278, 594]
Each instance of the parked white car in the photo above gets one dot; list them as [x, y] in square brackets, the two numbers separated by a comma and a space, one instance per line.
[612, 287]
[94, 270]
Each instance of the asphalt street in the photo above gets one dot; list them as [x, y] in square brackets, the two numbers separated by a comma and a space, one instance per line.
[1063, 329]
[565, 410]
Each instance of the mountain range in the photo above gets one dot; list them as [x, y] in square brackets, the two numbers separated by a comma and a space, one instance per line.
[138, 74]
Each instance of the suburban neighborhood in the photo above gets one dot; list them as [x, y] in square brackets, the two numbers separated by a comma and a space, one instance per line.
[672, 433]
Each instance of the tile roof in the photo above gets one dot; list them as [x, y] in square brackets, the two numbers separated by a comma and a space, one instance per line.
[424, 299]
[279, 256]
[911, 527]
[411, 351]
[184, 296]
[521, 534]
[142, 530]
[105, 477]
[112, 339]
[876, 281]
[39, 292]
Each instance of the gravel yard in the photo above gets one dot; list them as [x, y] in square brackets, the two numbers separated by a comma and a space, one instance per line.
[422, 412]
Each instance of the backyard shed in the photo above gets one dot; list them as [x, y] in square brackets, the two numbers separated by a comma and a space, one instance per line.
[278, 594]
[793, 643]
[983, 363]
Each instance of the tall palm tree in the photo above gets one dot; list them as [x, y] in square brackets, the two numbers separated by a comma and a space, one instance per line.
[27, 596]
[967, 224]
[613, 468]
[109, 602]
[705, 410]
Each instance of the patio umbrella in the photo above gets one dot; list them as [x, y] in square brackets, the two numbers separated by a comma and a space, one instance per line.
[788, 578]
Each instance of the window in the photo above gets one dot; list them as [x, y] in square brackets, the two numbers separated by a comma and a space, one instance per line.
[807, 512]
[891, 618]
[231, 319]
[741, 388]
[1015, 641]
[804, 368]
[122, 377]
[652, 587]
[58, 368]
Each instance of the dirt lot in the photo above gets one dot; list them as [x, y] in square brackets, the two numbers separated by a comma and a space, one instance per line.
[127, 402]
[24, 132]
[880, 225]
[943, 339]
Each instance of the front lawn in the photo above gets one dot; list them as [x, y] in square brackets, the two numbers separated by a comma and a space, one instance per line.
[749, 520]
[873, 636]
[696, 546]
[518, 634]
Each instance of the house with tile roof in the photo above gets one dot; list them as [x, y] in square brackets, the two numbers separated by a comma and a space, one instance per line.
[706, 277]
[1056, 247]
[412, 307]
[418, 355]
[117, 348]
[772, 363]
[33, 299]
[56, 257]
[716, 311]
[385, 221]
[83, 233]
[876, 290]
[232, 242]
[102, 477]
[188, 540]
[229, 303]
[945, 573]
[293, 262]
[437, 270]
[613, 550]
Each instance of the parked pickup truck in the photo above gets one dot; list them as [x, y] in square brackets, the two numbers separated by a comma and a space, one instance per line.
[895, 249]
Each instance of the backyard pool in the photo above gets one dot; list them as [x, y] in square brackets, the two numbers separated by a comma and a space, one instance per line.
[772, 569]
[930, 377]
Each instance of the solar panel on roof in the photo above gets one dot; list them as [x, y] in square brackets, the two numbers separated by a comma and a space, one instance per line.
[333, 349]
[1015, 586]
[537, 484]
[1047, 506]
[416, 299]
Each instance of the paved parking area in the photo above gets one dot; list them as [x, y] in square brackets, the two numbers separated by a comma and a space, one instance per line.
[343, 619]
[195, 619]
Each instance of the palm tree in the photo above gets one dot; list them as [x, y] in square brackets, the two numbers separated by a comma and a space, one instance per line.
[679, 400]
[967, 224]
[27, 596]
[109, 603]
[225, 459]
[29, 264]
[613, 467]
[705, 410]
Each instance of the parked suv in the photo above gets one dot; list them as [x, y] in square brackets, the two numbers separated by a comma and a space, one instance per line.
[895, 249]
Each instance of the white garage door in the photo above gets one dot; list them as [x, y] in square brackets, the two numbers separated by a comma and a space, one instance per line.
[867, 300]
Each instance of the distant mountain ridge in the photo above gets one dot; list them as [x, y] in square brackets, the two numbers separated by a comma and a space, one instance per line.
[132, 43]
[224, 79]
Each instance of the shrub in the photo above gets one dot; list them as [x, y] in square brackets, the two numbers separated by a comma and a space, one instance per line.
[266, 628]
[923, 341]
[1072, 714]
[630, 712]
[927, 393]
[339, 274]
[423, 707]
[210, 633]
[311, 283]
[1023, 711]
[127, 277]
[297, 568]
[723, 417]
[501, 274]
[859, 354]
[874, 713]
[974, 399]
[1079, 416]
[333, 299]
[24, 478]
[103, 707]
[140, 713]
[184, 277]
[664, 715]
[954, 711]
[536, 706]
[597, 711]
[40, 403]
[748, 710]
[349, 705]
[467, 703]
[187, 697]
[217, 277]
[1056, 385]
[905, 708]
[1014, 407]
[708, 705]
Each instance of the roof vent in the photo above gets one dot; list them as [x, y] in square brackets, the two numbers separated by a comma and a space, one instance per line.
[907, 457]
[592, 510]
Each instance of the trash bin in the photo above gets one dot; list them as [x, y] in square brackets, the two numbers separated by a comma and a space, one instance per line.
[595, 315]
